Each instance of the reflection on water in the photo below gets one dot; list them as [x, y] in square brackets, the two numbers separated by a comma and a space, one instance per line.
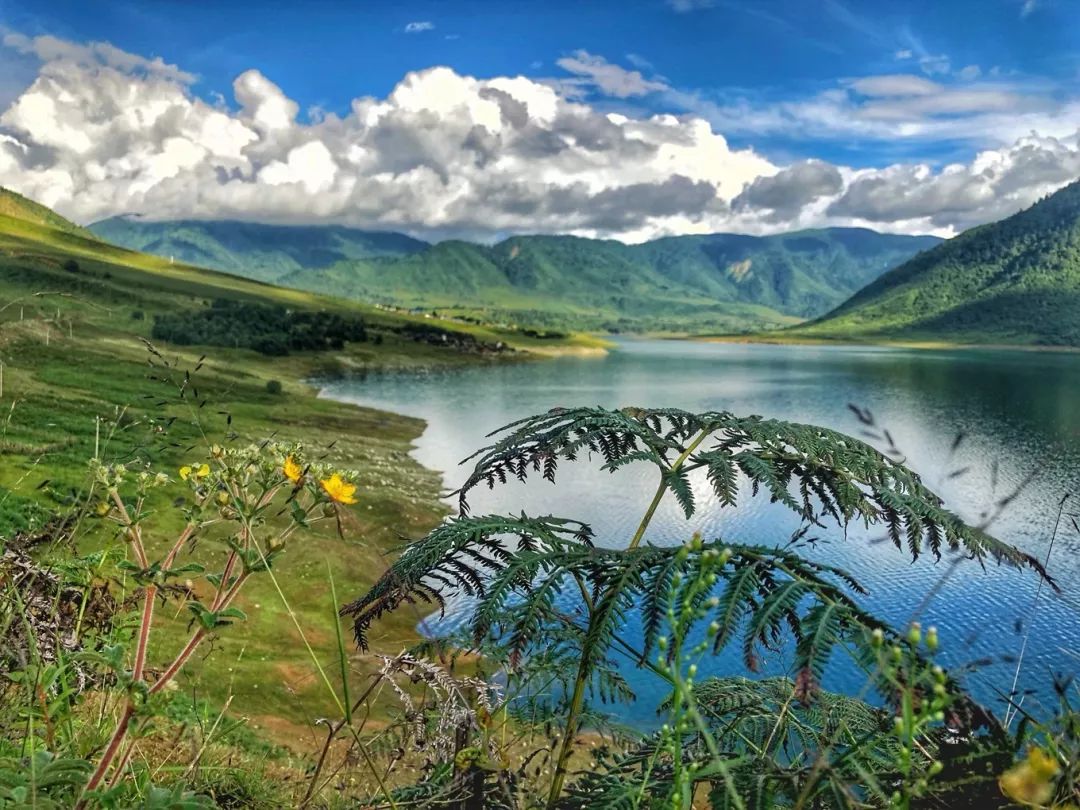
[1015, 415]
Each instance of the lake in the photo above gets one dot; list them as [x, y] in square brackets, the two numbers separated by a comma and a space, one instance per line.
[1016, 415]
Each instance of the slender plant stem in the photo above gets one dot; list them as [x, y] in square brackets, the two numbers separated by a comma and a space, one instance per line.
[179, 661]
[117, 739]
[570, 731]
[189, 530]
[635, 541]
[1013, 709]
[144, 632]
[375, 681]
[110, 752]
[577, 698]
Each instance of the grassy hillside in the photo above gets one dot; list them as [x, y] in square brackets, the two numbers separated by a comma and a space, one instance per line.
[74, 315]
[17, 206]
[1013, 281]
[678, 284]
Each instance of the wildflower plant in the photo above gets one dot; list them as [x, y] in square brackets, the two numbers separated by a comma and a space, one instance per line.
[246, 501]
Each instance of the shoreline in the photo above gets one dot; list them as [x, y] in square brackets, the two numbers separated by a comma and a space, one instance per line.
[921, 345]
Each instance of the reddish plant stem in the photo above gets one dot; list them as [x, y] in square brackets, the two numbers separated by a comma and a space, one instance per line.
[144, 632]
[196, 639]
[179, 661]
[121, 763]
[223, 597]
[110, 753]
[226, 572]
[133, 533]
[142, 645]
[189, 530]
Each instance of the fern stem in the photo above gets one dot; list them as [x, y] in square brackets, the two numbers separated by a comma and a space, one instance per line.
[662, 488]
[570, 731]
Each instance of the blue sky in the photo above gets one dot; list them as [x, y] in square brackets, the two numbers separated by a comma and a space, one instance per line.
[325, 54]
[856, 85]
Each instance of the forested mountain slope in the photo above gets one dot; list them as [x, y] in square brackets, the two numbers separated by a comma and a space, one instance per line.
[1013, 281]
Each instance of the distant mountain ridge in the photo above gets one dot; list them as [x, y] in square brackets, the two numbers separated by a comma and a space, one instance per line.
[1012, 281]
[681, 283]
[262, 252]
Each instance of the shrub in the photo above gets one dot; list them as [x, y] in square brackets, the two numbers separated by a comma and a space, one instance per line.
[273, 387]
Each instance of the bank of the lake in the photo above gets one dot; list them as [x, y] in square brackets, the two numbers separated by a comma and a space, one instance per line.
[798, 339]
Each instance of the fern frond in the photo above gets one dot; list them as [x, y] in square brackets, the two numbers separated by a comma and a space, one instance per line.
[813, 471]
[432, 568]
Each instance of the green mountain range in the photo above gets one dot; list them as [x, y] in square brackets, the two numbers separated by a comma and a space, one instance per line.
[1013, 281]
[262, 252]
[676, 284]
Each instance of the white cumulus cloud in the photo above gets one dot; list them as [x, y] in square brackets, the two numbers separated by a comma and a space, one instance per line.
[98, 134]
[101, 132]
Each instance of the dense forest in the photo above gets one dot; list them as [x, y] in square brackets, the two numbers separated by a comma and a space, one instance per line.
[271, 330]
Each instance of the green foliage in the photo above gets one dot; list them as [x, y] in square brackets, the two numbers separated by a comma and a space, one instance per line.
[41, 780]
[1013, 281]
[268, 330]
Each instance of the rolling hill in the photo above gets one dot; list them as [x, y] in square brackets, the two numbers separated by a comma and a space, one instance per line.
[674, 284]
[262, 252]
[1013, 281]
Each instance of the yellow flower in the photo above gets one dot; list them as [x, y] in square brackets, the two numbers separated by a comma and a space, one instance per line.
[293, 471]
[1031, 782]
[339, 489]
[186, 471]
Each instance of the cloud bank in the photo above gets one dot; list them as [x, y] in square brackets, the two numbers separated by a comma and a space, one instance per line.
[102, 132]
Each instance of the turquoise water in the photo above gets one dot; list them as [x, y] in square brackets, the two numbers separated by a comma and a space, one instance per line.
[1018, 413]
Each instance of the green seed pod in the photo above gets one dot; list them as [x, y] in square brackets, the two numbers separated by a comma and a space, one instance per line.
[931, 639]
[914, 634]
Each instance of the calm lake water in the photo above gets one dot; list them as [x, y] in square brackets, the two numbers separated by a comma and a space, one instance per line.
[1018, 413]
